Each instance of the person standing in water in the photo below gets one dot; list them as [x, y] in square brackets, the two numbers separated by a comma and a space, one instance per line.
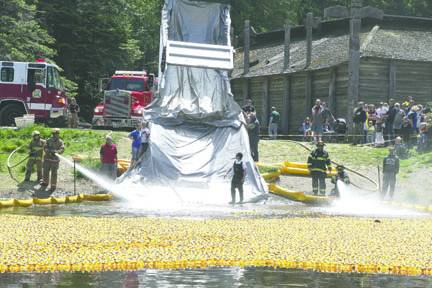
[239, 168]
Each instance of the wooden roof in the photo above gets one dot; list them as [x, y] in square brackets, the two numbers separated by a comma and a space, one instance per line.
[394, 37]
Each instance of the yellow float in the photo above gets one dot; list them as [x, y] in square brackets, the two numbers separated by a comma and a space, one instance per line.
[299, 196]
[52, 200]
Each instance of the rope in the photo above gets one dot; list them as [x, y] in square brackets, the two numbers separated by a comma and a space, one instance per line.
[347, 168]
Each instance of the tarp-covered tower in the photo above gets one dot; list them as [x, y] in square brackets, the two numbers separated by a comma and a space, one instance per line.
[196, 126]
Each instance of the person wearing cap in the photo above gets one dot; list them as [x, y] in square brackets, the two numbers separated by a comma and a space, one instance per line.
[390, 170]
[52, 148]
[35, 149]
[108, 157]
[240, 170]
[339, 176]
[317, 162]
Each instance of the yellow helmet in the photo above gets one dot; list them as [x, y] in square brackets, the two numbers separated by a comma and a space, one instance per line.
[36, 133]
[56, 130]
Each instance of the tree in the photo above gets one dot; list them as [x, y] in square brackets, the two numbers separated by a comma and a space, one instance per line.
[21, 37]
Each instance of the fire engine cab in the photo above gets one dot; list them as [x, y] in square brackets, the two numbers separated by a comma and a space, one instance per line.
[32, 88]
[123, 104]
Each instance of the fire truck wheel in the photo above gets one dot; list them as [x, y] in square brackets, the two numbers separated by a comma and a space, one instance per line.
[9, 113]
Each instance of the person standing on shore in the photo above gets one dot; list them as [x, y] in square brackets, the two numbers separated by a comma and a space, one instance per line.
[253, 131]
[145, 138]
[273, 123]
[358, 120]
[35, 148]
[248, 108]
[317, 162]
[108, 157]
[74, 109]
[318, 119]
[52, 147]
[135, 136]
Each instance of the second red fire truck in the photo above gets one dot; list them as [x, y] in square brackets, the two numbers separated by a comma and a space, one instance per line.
[123, 104]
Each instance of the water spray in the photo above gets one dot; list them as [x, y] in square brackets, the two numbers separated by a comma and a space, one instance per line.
[105, 183]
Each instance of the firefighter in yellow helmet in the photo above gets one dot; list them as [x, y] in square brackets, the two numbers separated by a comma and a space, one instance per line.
[35, 150]
[317, 162]
[53, 146]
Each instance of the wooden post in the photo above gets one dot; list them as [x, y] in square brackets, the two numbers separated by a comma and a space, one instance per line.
[246, 47]
[356, 14]
[287, 45]
[265, 102]
[353, 70]
[286, 105]
[392, 80]
[308, 93]
[245, 90]
[332, 90]
[309, 25]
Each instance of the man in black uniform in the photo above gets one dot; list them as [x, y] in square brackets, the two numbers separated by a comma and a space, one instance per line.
[248, 108]
[390, 169]
[317, 162]
[239, 176]
[339, 176]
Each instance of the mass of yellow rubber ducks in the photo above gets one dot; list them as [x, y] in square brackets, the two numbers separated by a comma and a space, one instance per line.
[331, 244]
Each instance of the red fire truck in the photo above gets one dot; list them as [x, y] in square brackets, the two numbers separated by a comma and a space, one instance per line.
[123, 104]
[32, 88]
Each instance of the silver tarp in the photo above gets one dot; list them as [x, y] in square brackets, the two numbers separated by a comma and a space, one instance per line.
[196, 126]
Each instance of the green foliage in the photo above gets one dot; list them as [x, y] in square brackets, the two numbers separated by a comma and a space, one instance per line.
[21, 37]
[91, 39]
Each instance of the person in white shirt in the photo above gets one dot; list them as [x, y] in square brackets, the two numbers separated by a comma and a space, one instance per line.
[145, 137]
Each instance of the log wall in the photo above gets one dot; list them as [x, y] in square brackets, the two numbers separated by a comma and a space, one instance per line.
[380, 80]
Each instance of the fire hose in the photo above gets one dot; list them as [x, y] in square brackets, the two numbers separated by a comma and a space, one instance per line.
[15, 165]
[347, 168]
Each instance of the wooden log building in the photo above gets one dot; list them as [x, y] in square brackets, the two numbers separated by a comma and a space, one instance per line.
[395, 62]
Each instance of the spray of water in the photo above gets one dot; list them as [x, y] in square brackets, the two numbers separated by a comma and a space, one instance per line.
[138, 195]
[103, 182]
[356, 203]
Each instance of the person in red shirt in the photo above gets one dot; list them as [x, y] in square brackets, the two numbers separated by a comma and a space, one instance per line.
[108, 157]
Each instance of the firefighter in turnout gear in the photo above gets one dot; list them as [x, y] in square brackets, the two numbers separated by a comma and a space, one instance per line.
[317, 162]
[339, 176]
[51, 161]
[390, 169]
[35, 149]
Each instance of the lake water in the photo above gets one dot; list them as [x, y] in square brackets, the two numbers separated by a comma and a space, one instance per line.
[274, 207]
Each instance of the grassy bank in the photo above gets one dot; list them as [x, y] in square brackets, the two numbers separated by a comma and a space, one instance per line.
[413, 178]
[76, 142]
